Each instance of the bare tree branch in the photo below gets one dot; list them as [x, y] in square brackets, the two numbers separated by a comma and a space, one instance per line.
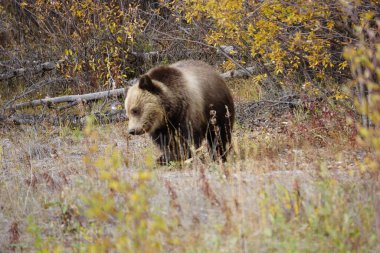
[71, 98]
[247, 72]
[244, 72]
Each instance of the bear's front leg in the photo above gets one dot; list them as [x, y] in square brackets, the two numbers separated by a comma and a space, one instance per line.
[174, 147]
[174, 151]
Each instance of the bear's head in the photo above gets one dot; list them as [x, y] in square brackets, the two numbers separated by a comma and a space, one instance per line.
[144, 107]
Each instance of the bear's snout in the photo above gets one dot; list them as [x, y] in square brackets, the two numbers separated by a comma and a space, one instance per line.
[135, 131]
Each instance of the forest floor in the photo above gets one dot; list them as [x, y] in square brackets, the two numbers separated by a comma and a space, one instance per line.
[294, 182]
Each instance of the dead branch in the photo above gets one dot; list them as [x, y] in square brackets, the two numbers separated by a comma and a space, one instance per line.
[71, 98]
[246, 72]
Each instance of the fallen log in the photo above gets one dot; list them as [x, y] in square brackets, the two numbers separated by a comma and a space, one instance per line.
[71, 98]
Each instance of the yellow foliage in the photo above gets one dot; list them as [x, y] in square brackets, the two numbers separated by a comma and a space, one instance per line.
[228, 65]
[285, 34]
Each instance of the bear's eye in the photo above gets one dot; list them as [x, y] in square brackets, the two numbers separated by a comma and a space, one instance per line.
[135, 111]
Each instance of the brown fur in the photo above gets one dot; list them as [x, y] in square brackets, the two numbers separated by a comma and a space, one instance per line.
[180, 105]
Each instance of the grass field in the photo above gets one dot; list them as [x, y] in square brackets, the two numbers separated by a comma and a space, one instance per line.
[296, 181]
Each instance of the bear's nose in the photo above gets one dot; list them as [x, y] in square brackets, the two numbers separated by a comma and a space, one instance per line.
[132, 131]
[136, 131]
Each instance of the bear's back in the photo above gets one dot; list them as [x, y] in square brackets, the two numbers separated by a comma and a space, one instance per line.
[207, 89]
[200, 77]
[203, 80]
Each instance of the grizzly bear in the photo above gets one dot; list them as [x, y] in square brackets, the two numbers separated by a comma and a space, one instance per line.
[179, 105]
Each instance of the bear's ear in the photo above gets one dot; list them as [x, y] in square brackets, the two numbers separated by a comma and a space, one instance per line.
[126, 88]
[146, 83]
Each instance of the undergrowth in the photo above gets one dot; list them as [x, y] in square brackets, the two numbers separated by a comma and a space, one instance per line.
[115, 206]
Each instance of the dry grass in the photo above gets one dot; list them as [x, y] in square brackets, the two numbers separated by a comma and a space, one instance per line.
[292, 186]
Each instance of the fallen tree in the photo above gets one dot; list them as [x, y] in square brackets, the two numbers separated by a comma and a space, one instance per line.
[71, 98]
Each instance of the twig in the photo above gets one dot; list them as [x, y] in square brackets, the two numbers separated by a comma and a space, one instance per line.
[233, 60]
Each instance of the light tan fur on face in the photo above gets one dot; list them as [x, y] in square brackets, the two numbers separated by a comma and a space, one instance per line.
[151, 112]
